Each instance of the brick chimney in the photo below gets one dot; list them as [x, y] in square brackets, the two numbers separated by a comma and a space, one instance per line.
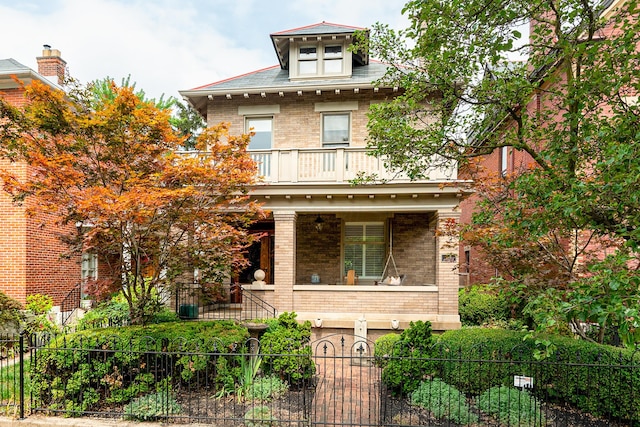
[50, 64]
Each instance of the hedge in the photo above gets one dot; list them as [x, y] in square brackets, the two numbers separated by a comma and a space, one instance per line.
[598, 379]
[81, 371]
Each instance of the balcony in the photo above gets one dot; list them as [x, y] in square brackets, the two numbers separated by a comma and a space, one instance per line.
[330, 165]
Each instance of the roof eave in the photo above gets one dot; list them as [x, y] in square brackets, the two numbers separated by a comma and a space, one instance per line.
[27, 75]
[347, 85]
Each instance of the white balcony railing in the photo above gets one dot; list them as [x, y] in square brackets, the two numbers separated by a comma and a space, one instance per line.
[330, 165]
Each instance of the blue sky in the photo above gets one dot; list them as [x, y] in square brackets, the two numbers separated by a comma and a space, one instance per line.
[169, 45]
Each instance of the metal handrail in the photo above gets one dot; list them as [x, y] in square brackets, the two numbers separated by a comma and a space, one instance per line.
[70, 303]
[262, 304]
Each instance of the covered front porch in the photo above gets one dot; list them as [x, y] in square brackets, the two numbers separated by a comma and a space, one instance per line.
[311, 249]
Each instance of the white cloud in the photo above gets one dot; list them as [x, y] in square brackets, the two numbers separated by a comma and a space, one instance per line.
[169, 45]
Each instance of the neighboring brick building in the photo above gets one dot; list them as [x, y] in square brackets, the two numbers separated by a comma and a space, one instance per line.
[30, 252]
[509, 162]
[309, 115]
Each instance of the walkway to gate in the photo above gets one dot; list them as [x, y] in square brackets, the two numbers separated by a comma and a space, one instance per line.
[348, 389]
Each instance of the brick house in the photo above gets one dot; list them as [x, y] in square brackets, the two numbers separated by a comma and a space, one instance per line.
[31, 257]
[330, 247]
[507, 161]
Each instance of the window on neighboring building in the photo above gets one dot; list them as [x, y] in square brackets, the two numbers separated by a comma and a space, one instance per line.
[467, 260]
[364, 248]
[263, 129]
[336, 128]
[89, 267]
[504, 160]
[308, 60]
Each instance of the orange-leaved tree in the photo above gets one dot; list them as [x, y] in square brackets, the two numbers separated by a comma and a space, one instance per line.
[112, 166]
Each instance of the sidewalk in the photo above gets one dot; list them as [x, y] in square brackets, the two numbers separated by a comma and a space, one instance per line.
[42, 421]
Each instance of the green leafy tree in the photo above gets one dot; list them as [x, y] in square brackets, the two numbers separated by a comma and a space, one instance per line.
[565, 98]
[188, 123]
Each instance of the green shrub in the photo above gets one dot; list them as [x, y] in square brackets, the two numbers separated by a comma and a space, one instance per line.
[511, 406]
[458, 353]
[39, 304]
[10, 315]
[482, 305]
[119, 364]
[286, 350]
[384, 348]
[410, 361]
[594, 378]
[36, 320]
[266, 388]
[107, 313]
[259, 416]
[443, 401]
[152, 407]
[115, 312]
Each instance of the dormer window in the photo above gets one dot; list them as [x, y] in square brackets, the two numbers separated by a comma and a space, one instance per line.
[333, 59]
[323, 58]
[308, 60]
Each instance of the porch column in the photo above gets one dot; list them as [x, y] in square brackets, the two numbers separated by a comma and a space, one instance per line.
[447, 249]
[284, 274]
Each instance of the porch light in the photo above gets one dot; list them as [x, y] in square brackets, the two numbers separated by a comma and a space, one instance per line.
[319, 223]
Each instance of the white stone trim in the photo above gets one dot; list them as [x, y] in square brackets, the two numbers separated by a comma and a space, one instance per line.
[324, 107]
[257, 110]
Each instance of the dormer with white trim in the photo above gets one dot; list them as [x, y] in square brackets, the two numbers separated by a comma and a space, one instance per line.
[319, 51]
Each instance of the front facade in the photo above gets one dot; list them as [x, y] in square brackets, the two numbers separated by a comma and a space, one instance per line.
[32, 259]
[336, 253]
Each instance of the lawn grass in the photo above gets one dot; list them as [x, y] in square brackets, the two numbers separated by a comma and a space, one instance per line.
[10, 383]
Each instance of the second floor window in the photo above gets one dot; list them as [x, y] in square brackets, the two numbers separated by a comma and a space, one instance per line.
[336, 129]
[263, 129]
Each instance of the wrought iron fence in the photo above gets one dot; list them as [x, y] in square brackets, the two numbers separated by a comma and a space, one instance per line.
[12, 375]
[340, 381]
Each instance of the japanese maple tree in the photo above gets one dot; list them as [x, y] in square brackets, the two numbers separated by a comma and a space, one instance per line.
[111, 165]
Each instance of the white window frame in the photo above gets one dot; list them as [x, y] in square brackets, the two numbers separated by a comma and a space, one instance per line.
[504, 160]
[304, 58]
[321, 59]
[332, 58]
[343, 143]
[381, 242]
[247, 126]
[89, 268]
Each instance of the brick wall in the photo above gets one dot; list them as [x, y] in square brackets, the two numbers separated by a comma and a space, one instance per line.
[12, 241]
[318, 252]
[372, 303]
[297, 125]
[32, 257]
[414, 248]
